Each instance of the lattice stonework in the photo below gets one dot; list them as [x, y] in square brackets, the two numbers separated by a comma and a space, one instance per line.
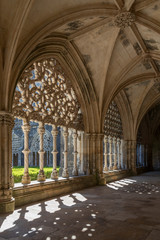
[113, 123]
[44, 93]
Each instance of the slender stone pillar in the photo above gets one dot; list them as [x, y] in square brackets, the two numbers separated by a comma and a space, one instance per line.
[54, 174]
[129, 154]
[26, 128]
[94, 137]
[105, 169]
[99, 157]
[7, 202]
[75, 169]
[137, 155]
[80, 151]
[88, 172]
[124, 154]
[41, 131]
[35, 156]
[119, 153]
[133, 156]
[144, 154]
[110, 153]
[146, 158]
[65, 173]
[115, 153]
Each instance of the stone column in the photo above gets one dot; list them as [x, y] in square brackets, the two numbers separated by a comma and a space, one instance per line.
[41, 131]
[124, 154]
[105, 169]
[115, 153]
[80, 152]
[35, 155]
[146, 158]
[26, 128]
[65, 173]
[128, 154]
[140, 155]
[137, 156]
[119, 153]
[133, 155]
[54, 174]
[94, 153]
[99, 153]
[7, 202]
[75, 169]
[88, 172]
[110, 153]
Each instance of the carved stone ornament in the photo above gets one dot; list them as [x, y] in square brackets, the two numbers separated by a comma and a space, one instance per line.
[44, 93]
[124, 19]
[113, 123]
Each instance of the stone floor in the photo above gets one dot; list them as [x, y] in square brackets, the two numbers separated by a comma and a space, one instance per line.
[123, 210]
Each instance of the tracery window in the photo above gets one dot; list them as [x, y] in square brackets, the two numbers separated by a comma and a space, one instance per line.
[113, 135]
[44, 95]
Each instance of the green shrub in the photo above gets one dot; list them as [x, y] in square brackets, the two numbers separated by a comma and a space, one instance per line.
[33, 172]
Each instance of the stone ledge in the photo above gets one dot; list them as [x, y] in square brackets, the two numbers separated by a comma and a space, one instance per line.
[116, 175]
[36, 191]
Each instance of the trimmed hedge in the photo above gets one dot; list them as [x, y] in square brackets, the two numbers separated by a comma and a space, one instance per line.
[33, 172]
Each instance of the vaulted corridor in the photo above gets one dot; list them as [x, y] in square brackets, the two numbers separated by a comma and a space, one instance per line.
[127, 209]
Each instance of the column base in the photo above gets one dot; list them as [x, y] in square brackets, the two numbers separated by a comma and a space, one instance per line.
[105, 169]
[101, 180]
[54, 174]
[115, 168]
[41, 177]
[65, 173]
[26, 179]
[7, 206]
[75, 172]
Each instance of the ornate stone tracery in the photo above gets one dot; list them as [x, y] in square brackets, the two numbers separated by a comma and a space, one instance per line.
[44, 94]
[113, 123]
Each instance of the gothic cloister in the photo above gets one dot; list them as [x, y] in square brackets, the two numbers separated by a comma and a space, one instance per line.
[80, 92]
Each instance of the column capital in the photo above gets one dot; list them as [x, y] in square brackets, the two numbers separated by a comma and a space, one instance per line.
[79, 136]
[26, 128]
[105, 138]
[54, 130]
[75, 135]
[41, 130]
[114, 139]
[65, 130]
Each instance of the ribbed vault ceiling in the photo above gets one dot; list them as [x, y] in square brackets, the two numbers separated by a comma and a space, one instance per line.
[116, 58]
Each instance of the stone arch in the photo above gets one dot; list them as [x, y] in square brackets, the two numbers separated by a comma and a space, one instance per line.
[79, 78]
[44, 93]
[125, 114]
[146, 106]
